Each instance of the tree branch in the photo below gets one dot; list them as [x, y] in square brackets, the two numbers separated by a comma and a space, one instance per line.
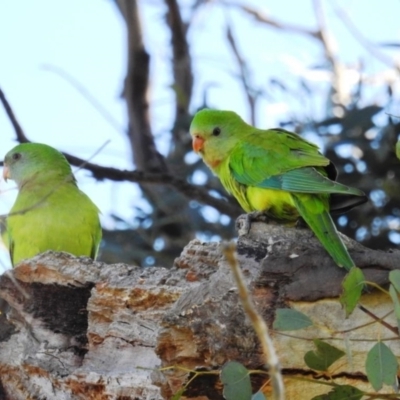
[99, 172]
[199, 193]
[145, 154]
[86, 94]
[338, 97]
[370, 47]
[11, 116]
[274, 23]
[244, 76]
[182, 66]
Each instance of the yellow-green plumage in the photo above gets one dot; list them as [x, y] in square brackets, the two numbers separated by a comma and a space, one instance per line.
[50, 212]
[276, 172]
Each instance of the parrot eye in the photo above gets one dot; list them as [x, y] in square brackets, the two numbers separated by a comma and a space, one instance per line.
[216, 131]
[16, 156]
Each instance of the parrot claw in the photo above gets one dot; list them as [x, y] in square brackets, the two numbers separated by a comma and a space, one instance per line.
[243, 223]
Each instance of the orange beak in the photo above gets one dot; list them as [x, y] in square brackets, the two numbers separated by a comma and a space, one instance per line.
[198, 143]
[6, 172]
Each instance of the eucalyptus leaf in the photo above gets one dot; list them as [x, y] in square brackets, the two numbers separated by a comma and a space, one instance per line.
[381, 366]
[345, 392]
[236, 380]
[352, 284]
[395, 298]
[288, 319]
[323, 357]
[394, 278]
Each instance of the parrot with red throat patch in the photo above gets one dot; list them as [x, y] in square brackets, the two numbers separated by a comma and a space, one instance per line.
[275, 172]
[50, 212]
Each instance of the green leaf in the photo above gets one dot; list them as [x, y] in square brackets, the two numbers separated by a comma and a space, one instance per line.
[323, 357]
[288, 319]
[352, 285]
[345, 392]
[178, 394]
[236, 381]
[381, 366]
[258, 396]
[396, 302]
[394, 278]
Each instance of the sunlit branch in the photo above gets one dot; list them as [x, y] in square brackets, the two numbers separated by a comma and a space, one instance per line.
[257, 322]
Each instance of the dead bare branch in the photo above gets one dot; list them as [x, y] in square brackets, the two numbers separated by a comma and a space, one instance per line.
[366, 43]
[273, 22]
[86, 94]
[11, 116]
[182, 66]
[145, 154]
[337, 97]
[244, 76]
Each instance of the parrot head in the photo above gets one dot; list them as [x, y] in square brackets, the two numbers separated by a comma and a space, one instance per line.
[215, 133]
[30, 162]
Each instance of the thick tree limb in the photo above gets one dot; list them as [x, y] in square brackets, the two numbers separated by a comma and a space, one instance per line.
[182, 65]
[145, 154]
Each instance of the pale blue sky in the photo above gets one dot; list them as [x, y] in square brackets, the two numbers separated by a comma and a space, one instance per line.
[87, 40]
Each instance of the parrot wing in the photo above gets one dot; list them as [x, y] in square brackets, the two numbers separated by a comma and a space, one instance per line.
[264, 154]
[284, 162]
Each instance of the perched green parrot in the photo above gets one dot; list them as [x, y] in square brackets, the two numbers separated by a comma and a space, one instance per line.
[398, 149]
[276, 172]
[50, 212]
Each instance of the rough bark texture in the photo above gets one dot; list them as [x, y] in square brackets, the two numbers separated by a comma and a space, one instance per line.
[79, 329]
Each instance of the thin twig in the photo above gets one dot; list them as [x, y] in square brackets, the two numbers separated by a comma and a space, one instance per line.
[11, 116]
[258, 323]
[182, 65]
[337, 97]
[244, 76]
[87, 95]
[367, 44]
[380, 320]
[273, 22]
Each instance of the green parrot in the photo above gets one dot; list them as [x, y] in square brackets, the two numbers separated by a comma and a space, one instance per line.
[275, 172]
[398, 149]
[50, 212]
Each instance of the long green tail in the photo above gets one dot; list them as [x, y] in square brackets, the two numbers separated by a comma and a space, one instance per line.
[324, 229]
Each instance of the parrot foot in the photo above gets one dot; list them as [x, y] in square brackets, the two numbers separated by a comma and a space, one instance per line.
[243, 223]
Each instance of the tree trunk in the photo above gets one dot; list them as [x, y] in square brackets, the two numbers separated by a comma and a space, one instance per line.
[79, 329]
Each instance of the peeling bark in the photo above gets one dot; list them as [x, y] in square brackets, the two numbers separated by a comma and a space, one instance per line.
[81, 329]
